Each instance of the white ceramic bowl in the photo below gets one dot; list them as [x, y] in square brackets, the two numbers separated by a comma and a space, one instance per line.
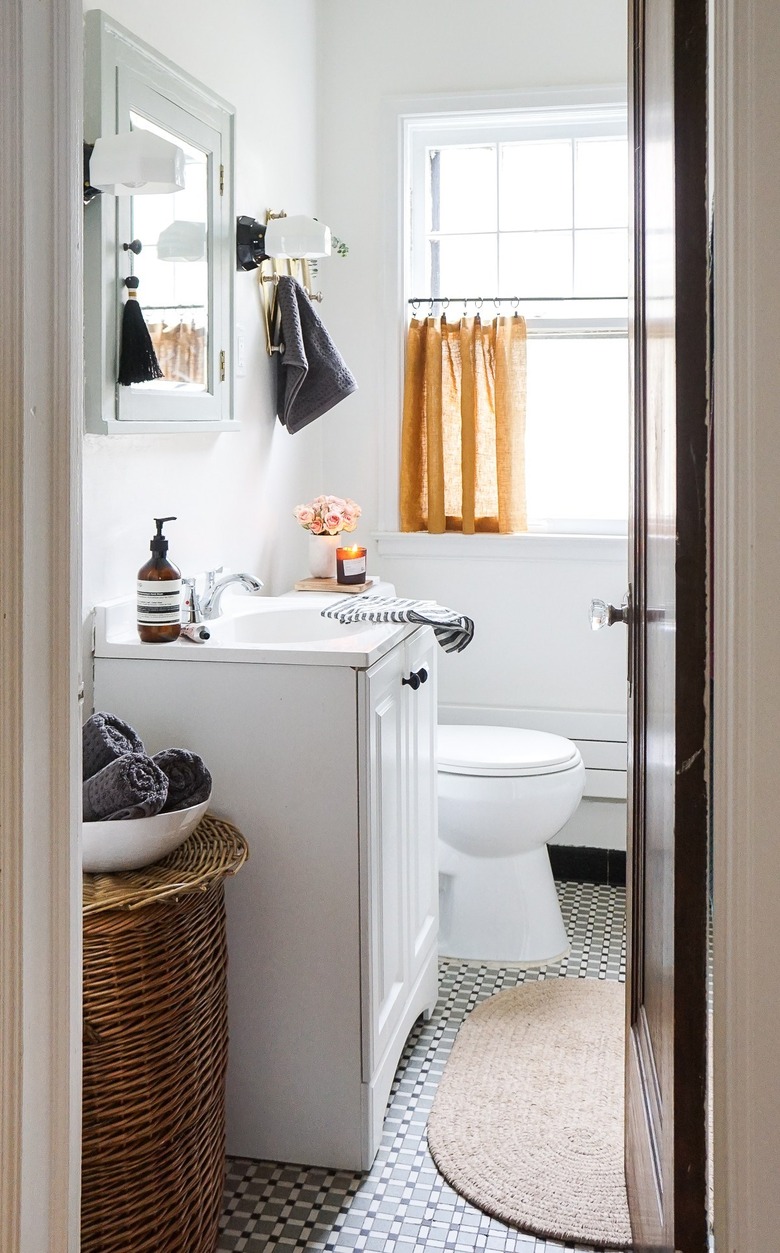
[136, 842]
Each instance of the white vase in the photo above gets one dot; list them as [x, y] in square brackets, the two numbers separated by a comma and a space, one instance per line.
[322, 556]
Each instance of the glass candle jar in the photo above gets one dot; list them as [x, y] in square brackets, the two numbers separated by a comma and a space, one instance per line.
[351, 565]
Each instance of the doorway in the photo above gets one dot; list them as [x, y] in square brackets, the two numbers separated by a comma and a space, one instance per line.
[68, 43]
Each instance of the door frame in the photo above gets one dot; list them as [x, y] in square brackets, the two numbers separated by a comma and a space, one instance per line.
[40, 133]
[746, 672]
[40, 449]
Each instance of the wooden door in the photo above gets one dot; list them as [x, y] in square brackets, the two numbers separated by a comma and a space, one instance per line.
[665, 1049]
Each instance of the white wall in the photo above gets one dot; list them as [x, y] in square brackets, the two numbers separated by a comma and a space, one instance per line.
[533, 650]
[232, 493]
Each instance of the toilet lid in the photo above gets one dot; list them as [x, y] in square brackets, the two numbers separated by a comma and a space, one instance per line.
[503, 751]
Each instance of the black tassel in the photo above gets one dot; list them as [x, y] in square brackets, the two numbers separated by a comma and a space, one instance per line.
[137, 359]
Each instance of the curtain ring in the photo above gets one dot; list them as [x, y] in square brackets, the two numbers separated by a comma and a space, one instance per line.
[431, 304]
[479, 303]
[415, 308]
[497, 304]
[515, 304]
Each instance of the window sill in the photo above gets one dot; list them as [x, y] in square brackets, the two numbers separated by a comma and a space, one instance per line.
[531, 546]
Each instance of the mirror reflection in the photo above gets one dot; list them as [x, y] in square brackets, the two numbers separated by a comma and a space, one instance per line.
[173, 269]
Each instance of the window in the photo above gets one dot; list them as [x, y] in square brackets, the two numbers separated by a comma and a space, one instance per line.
[528, 210]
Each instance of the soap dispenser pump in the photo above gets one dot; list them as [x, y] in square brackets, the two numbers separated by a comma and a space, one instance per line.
[159, 593]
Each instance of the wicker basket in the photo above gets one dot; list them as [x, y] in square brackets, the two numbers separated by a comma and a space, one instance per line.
[155, 1049]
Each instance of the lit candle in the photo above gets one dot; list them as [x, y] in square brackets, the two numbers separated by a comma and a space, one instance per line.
[351, 565]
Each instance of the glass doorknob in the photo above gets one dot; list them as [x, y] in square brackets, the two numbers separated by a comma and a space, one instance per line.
[604, 615]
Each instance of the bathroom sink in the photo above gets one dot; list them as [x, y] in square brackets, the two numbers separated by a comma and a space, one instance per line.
[287, 629]
[281, 625]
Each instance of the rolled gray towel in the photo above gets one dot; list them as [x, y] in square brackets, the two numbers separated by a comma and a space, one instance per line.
[189, 782]
[131, 786]
[104, 738]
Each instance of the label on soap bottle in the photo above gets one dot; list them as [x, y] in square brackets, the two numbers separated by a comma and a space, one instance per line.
[159, 601]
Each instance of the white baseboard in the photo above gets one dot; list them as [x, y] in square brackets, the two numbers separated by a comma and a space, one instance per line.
[596, 824]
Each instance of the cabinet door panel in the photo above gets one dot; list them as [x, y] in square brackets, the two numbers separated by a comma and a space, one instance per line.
[420, 758]
[382, 848]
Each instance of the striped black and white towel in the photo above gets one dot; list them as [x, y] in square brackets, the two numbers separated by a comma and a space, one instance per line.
[453, 631]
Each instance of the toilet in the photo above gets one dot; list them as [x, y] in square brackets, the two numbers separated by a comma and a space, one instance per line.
[503, 793]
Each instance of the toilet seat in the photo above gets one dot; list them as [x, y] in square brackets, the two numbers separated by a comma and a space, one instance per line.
[501, 752]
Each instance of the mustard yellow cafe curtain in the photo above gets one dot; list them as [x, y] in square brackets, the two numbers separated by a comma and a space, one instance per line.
[463, 435]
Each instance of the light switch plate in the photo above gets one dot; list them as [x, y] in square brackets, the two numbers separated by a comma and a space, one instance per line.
[240, 356]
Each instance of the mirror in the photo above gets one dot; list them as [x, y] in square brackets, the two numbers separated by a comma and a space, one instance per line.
[185, 260]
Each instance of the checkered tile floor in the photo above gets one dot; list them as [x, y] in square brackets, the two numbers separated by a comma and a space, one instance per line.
[403, 1204]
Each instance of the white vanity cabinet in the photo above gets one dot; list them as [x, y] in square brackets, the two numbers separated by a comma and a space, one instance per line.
[329, 771]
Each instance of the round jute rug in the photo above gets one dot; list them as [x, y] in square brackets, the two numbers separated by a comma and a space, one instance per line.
[527, 1122]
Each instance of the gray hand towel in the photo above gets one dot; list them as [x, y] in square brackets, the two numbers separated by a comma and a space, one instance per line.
[312, 375]
[189, 782]
[128, 787]
[104, 738]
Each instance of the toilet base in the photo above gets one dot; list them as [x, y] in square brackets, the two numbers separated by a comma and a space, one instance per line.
[501, 910]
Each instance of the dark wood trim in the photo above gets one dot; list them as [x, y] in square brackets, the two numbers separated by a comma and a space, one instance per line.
[692, 695]
[588, 865]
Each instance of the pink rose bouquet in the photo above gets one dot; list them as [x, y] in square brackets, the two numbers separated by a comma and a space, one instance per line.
[328, 515]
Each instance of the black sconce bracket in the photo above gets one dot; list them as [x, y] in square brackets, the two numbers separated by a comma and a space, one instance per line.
[250, 240]
[90, 193]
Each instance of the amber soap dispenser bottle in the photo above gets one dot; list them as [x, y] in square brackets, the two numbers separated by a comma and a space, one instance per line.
[159, 593]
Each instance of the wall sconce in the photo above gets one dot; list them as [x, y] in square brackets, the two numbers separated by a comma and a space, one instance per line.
[298, 237]
[135, 163]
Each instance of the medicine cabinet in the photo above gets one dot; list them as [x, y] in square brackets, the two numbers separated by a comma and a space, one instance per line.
[186, 262]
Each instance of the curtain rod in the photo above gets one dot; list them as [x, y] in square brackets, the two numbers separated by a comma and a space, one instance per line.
[171, 308]
[473, 300]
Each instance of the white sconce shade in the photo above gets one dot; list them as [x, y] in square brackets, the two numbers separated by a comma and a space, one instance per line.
[182, 241]
[136, 163]
[298, 236]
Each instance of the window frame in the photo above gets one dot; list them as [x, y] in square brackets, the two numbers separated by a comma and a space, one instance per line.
[410, 126]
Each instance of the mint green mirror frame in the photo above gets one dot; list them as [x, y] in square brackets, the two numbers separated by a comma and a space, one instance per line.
[187, 257]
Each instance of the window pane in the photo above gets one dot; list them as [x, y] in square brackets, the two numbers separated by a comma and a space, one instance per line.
[536, 186]
[601, 182]
[601, 263]
[535, 263]
[467, 265]
[462, 192]
[577, 428]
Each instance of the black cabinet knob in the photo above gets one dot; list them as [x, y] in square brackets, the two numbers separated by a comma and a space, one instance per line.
[416, 678]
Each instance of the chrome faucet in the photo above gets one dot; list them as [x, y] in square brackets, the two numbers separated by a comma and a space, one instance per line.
[209, 608]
